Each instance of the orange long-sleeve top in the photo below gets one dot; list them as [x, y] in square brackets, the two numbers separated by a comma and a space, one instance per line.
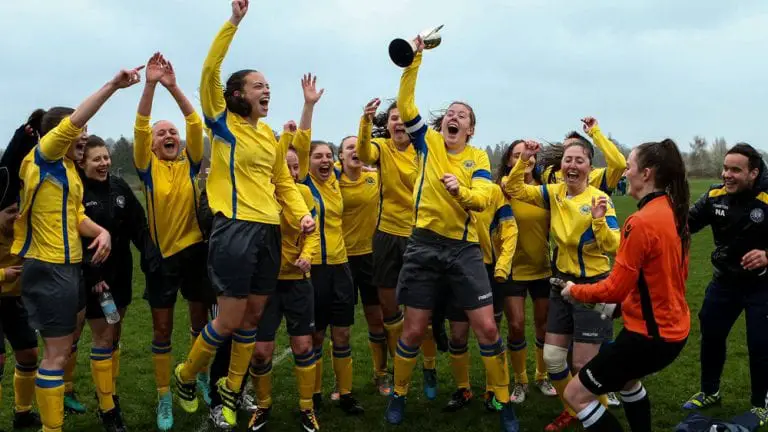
[648, 277]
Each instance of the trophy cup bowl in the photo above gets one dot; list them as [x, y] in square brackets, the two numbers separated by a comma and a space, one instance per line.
[402, 52]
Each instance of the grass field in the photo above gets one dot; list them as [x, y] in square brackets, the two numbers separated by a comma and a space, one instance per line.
[136, 384]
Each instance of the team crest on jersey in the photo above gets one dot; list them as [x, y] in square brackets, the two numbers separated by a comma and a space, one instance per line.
[469, 164]
[120, 201]
[585, 209]
[370, 180]
[757, 215]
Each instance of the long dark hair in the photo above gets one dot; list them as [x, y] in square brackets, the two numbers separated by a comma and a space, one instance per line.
[503, 169]
[237, 103]
[437, 118]
[380, 122]
[52, 118]
[670, 175]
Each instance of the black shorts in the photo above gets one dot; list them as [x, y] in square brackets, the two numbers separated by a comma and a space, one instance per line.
[434, 266]
[362, 269]
[455, 313]
[183, 271]
[122, 293]
[243, 257]
[14, 325]
[294, 299]
[388, 251]
[637, 355]
[53, 295]
[334, 296]
[538, 289]
[583, 323]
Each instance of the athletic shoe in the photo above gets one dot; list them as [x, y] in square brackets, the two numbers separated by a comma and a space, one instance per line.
[459, 399]
[613, 401]
[317, 402]
[430, 384]
[204, 387]
[518, 393]
[218, 419]
[564, 421]
[509, 422]
[384, 384]
[395, 413]
[26, 419]
[72, 405]
[229, 401]
[247, 403]
[259, 419]
[309, 421]
[491, 404]
[165, 412]
[702, 401]
[185, 392]
[546, 388]
[350, 405]
[110, 421]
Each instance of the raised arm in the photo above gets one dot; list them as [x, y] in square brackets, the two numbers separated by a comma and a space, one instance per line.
[615, 162]
[514, 184]
[286, 191]
[605, 225]
[367, 151]
[625, 272]
[142, 131]
[302, 143]
[55, 144]
[194, 124]
[415, 125]
[211, 90]
[507, 226]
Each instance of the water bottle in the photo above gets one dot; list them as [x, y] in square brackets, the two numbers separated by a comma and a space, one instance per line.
[108, 306]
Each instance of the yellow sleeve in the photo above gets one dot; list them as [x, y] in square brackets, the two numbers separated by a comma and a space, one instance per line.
[508, 232]
[607, 231]
[194, 138]
[366, 150]
[142, 143]
[286, 191]
[514, 187]
[55, 144]
[615, 162]
[80, 212]
[286, 139]
[2, 277]
[211, 90]
[302, 143]
[478, 195]
[311, 244]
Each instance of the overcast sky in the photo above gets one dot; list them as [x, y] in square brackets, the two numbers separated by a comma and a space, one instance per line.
[647, 69]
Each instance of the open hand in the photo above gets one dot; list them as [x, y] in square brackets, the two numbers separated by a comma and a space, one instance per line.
[309, 85]
[168, 80]
[369, 112]
[155, 69]
[103, 245]
[754, 259]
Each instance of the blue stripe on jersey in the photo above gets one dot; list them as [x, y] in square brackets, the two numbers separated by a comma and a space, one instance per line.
[604, 182]
[28, 238]
[421, 185]
[417, 130]
[545, 194]
[319, 198]
[481, 173]
[381, 186]
[149, 197]
[56, 172]
[586, 238]
[220, 130]
[613, 223]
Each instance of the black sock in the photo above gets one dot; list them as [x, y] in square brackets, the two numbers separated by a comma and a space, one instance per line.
[637, 407]
[596, 418]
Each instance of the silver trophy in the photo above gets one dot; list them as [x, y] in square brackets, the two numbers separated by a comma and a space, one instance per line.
[402, 51]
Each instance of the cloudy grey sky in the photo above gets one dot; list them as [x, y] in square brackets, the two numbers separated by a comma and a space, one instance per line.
[647, 69]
